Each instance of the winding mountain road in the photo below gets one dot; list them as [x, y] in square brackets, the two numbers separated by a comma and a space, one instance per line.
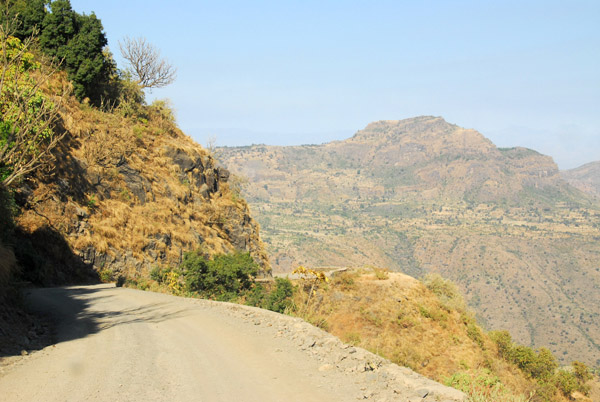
[117, 344]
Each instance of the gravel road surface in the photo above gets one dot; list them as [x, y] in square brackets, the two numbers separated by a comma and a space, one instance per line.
[117, 344]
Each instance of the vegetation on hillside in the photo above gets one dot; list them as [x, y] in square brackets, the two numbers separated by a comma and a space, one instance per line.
[223, 277]
[115, 160]
[427, 327]
[424, 326]
[421, 195]
[27, 114]
[586, 178]
[95, 182]
[75, 40]
[152, 196]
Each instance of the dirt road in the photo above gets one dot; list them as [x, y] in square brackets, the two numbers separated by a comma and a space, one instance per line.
[116, 344]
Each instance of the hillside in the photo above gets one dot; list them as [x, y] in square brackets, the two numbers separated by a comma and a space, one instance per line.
[425, 325]
[96, 184]
[586, 178]
[422, 195]
[123, 195]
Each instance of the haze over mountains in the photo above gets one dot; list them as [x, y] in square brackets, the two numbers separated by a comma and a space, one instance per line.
[586, 178]
[422, 195]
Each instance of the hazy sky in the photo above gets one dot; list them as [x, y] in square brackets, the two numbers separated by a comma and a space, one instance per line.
[292, 72]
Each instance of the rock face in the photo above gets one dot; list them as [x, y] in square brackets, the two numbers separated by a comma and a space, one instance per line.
[586, 178]
[422, 195]
[129, 196]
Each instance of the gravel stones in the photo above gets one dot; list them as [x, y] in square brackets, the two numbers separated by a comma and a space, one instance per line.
[380, 379]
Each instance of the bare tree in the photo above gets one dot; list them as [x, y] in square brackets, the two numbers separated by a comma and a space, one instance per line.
[28, 113]
[145, 64]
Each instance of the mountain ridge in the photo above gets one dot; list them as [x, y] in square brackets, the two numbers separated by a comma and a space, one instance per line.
[586, 178]
[422, 195]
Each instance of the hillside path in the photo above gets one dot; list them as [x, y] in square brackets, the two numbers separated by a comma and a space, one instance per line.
[118, 344]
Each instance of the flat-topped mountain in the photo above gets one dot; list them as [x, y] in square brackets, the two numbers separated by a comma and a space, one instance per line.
[421, 159]
[422, 195]
[586, 178]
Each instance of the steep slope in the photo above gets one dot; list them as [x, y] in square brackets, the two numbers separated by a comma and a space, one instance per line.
[422, 195]
[126, 193]
[586, 178]
[421, 325]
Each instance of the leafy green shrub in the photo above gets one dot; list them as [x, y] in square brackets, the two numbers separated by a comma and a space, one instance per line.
[582, 372]
[540, 365]
[524, 357]
[161, 110]
[475, 334]
[224, 277]
[566, 382]
[27, 115]
[131, 98]
[280, 298]
[106, 275]
[504, 342]
[257, 296]
[545, 364]
[156, 274]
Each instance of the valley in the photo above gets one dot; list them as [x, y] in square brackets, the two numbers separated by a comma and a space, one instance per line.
[422, 195]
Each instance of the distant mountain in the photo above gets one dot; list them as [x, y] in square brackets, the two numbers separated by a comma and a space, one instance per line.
[586, 178]
[422, 195]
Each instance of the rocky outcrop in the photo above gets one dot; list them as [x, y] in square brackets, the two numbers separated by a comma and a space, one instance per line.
[126, 203]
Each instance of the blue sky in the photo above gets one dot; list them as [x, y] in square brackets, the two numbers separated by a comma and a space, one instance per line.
[283, 72]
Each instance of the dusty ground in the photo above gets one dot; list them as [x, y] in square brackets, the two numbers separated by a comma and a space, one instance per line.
[116, 344]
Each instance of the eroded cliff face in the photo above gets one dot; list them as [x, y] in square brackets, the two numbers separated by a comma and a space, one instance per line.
[127, 195]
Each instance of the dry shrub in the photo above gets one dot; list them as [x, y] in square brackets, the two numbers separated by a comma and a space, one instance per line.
[446, 291]
[83, 242]
[381, 273]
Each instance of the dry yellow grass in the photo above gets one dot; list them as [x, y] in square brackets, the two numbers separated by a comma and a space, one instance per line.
[163, 214]
[402, 320]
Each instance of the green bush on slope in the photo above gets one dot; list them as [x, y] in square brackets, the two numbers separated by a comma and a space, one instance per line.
[543, 367]
[223, 277]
